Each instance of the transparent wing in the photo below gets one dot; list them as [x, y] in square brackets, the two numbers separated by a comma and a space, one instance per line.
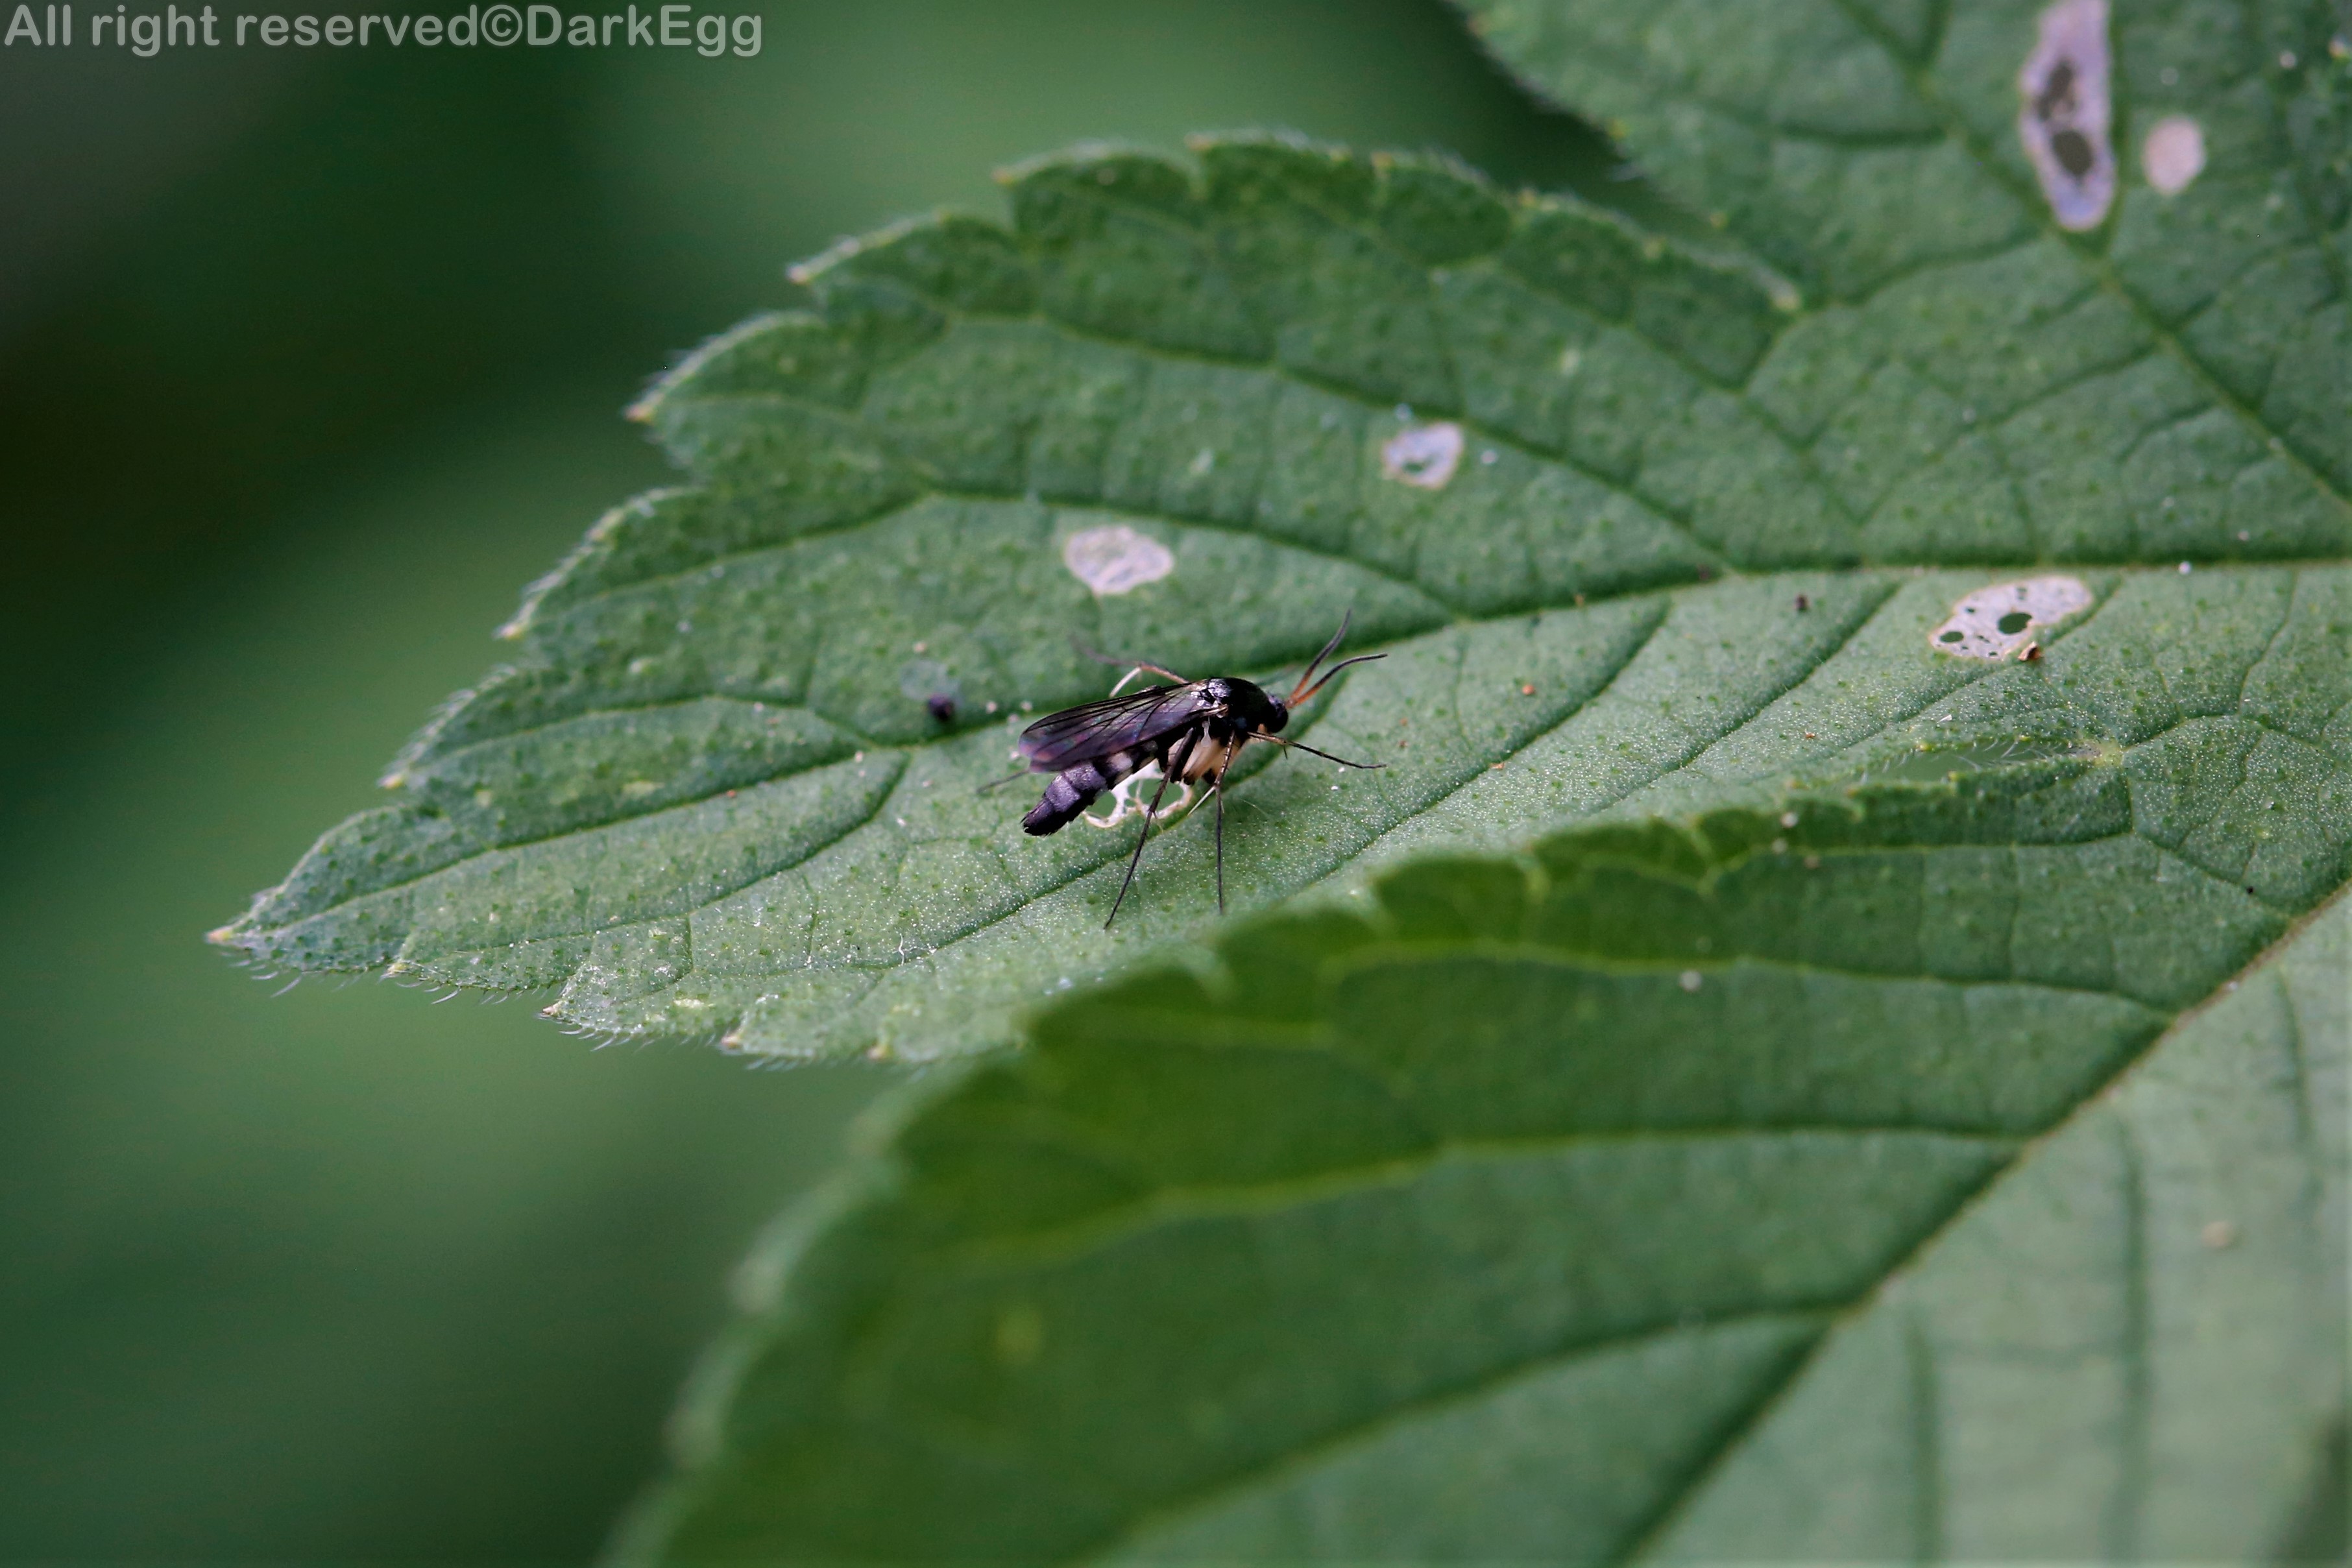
[1092, 730]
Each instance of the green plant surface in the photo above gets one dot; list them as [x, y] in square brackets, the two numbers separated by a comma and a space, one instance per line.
[1849, 1189]
[706, 795]
[1770, 1068]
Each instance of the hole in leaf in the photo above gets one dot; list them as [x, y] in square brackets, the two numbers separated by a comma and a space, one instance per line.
[2000, 621]
[2063, 118]
[1424, 456]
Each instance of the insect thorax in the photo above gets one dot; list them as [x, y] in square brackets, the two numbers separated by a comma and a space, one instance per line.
[1247, 706]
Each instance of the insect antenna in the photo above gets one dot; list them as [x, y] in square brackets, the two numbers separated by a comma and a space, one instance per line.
[1302, 692]
[1302, 746]
[1309, 673]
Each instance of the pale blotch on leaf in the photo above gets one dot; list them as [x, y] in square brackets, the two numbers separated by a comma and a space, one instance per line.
[1424, 455]
[2000, 621]
[2173, 154]
[1116, 560]
[2064, 121]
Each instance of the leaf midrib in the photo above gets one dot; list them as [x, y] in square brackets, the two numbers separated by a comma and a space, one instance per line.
[1799, 677]
[1834, 1314]
[1179, 1203]
[1308, 1456]
[2095, 262]
[2099, 1096]
[2096, 267]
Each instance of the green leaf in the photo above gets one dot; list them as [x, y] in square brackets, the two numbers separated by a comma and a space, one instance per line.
[1576, 479]
[1902, 1113]
[1848, 1188]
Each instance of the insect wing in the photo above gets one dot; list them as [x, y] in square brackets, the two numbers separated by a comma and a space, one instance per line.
[1091, 730]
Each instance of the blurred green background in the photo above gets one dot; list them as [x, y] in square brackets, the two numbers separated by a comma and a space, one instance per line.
[308, 362]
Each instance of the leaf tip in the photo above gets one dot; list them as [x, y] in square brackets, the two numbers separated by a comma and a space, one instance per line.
[224, 936]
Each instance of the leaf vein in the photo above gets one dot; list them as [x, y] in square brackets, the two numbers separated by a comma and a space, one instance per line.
[2097, 264]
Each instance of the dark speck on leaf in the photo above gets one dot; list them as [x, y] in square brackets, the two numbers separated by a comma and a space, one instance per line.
[1803, 604]
[2058, 93]
[2072, 150]
[942, 706]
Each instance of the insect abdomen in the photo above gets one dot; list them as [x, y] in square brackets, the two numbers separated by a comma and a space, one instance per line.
[1071, 792]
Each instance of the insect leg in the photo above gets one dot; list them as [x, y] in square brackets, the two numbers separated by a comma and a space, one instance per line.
[1124, 806]
[1001, 783]
[1142, 840]
[1102, 658]
[1219, 788]
[1138, 670]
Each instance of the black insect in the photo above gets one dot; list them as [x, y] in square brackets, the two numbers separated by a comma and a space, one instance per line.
[942, 706]
[1192, 731]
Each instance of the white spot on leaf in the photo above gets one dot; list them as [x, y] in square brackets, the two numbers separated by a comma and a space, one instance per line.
[2000, 621]
[1424, 455]
[2173, 154]
[1116, 560]
[2064, 121]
